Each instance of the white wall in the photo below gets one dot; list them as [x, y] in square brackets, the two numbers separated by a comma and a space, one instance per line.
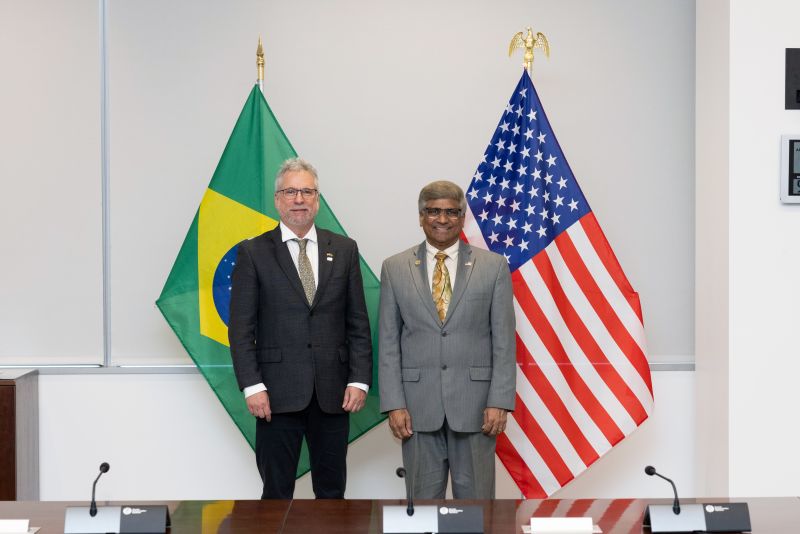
[748, 254]
[191, 450]
[382, 97]
[50, 218]
[712, 246]
[764, 256]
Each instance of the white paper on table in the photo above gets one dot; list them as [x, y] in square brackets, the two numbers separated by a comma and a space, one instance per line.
[14, 526]
[561, 525]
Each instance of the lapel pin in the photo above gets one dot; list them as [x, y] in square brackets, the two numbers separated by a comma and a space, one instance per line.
[468, 264]
[329, 256]
[417, 262]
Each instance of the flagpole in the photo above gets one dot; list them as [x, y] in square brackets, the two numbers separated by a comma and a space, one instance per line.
[105, 183]
[260, 65]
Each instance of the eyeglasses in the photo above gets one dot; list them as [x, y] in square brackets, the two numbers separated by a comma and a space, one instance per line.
[434, 213]
[291, 193]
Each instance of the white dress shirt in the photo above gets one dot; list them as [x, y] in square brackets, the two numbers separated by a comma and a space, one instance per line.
[312, 251]
[451, 261]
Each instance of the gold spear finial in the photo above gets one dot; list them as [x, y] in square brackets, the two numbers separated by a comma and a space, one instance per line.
[529, 42]
[260, 60]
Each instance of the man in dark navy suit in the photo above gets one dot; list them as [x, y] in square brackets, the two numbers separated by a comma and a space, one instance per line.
[300, 339]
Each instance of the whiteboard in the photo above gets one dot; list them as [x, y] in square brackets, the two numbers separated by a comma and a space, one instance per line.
[382, 98]
[51, 218]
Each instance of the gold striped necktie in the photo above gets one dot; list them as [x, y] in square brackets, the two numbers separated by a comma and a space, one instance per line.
[441, 286]
[306, 273]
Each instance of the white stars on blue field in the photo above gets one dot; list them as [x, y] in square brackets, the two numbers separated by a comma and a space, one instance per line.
[524, 193]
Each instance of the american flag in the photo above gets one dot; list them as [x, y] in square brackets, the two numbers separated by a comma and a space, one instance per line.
[583, 381]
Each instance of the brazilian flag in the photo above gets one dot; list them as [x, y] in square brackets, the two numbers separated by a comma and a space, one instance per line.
[238, 204]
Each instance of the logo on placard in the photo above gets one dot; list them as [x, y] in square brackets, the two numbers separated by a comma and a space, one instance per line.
[710, 508]
[128, 511]
[444, 510]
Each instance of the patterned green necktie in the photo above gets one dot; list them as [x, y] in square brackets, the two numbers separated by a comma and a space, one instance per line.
[306, 273]
[441, 286]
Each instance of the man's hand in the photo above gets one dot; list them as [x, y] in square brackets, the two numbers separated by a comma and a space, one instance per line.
[400, 423]
[258, 405]
[354, 399]
[494, 421]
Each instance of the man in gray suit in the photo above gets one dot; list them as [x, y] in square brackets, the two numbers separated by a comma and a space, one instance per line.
[447, 352]
[300, 339]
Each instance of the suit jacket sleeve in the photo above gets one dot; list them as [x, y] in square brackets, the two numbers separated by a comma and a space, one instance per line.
[359, 340]
[243, 319]
[390, 354]
[502, 392]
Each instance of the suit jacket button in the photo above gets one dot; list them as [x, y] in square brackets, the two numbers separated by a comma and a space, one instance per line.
[444, 334]
[444, 367]
[309, 345]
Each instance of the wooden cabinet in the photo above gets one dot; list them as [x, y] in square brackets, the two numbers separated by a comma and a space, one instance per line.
[19, 434]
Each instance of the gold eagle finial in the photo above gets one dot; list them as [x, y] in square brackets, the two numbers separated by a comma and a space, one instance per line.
[529, 42]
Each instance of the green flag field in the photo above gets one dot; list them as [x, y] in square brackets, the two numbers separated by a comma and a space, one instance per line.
[237, 205]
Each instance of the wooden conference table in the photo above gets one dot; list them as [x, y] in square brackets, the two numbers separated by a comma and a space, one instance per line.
[618, 516]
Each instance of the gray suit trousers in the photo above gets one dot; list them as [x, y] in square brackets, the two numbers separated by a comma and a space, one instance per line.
[468, 456]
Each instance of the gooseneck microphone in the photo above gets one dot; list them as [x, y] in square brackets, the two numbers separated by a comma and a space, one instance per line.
[676, 505]
[104, 467]
[401, 472]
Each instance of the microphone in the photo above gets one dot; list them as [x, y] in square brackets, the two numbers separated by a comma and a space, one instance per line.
[401, 472]
[104, 467]
[676, 505]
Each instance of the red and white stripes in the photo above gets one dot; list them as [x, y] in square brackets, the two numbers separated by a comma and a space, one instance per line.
[583, 381]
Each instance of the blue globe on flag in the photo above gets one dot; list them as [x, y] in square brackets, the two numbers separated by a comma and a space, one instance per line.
[221, 287]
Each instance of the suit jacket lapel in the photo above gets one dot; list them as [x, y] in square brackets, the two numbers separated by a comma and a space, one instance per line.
[325, 267]
[465, 267]
[418, 264]
[284, 259]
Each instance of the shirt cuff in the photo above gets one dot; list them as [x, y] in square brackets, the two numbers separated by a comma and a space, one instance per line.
[359, 385]
[252, 390]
